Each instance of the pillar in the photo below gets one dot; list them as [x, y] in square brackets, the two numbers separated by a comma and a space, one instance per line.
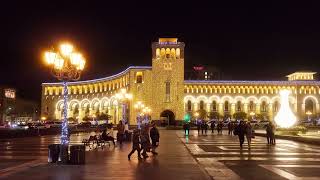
[220, 109]
[258, 108]
[270, 112]
[245, 107]
[233, 108]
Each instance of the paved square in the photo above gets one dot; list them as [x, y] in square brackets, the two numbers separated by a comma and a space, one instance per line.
[222, 158]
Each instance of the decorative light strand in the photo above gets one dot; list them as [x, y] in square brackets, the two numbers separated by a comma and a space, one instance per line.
[64, 129]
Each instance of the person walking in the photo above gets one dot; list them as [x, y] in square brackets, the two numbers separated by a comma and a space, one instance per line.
[198, 123]
[212, 125]
[155, 136]
[145, 141]
[186, 128]
[135, 144]
[230, 128]
[240, 130]
[203, 126]
[219, 127]
[272, 137]
[120, 134]
[249, 134]
[269, 132]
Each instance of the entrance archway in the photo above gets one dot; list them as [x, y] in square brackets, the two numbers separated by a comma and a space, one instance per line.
[169, 115]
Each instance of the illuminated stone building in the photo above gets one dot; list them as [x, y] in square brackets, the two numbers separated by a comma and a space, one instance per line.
[162, 88]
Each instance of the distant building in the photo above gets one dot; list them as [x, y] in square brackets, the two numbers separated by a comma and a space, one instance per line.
[13, 108]
[200, 72]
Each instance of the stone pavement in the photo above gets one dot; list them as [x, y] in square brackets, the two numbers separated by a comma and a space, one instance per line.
[222, 158]
[26, 158]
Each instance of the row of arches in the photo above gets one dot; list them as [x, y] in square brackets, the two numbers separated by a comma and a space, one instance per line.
[168, 53]
[89, 88]
[79, 109]
[245, 89]
[263, 104]
[249, 89]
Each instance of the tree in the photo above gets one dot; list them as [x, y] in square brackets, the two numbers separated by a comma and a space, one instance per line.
[202, 113]
[86, 118]
[214, 115]
[71, 119]
[104, 116]
[240, 115]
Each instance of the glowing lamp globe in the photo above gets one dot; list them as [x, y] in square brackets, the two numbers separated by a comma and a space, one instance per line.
[285, 117]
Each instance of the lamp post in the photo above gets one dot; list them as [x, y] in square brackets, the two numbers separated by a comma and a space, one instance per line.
[66, 65]
[196, 114]
[309, 113]
[124, 97]
[139, 106]
[252, 115]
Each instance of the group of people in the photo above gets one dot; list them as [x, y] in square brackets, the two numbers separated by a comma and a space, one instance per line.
[270, 128]
[203, 126]
[244, 129]
[141, 141]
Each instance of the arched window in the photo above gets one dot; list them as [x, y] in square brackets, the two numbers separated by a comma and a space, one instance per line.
[139, 78]
[168, 53]
[214, 106]
[162, 52]
[251, 106]
[276, 106]
[201, 105]
[263, 106]
[178, 53]
[157, 53]
[239, 106]
[189, 106]
[173, 53]
[226, 106]
[309, 105]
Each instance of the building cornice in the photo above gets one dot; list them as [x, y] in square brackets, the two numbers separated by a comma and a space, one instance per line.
[225, 82]
[101, 79]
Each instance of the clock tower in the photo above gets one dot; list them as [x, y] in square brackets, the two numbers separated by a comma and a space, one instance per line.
[168, 79]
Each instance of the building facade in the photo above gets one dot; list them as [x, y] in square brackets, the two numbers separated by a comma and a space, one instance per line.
[162, 88]
[16, 109]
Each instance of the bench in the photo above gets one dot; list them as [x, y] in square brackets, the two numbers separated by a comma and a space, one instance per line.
[93, 142]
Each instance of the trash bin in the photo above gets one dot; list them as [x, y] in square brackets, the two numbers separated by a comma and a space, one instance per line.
[53, 153]
[77, 154]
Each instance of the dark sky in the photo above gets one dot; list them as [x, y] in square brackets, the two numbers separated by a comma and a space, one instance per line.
[247, 41]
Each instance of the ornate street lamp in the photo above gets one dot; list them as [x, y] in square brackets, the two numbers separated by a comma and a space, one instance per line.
[124, 97]
[252, 115]
[309, 113]
[139, 106]
[146, 111]
[66, 65]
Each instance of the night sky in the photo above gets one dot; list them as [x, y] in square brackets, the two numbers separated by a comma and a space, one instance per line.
[247, 41]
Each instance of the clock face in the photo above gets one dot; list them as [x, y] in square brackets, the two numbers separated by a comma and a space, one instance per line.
[167, 66]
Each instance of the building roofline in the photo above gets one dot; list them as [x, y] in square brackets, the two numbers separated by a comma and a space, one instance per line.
[309, 82]
[101, 79]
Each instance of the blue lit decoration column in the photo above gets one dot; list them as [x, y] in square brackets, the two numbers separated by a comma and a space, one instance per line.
[139, 106]
[124, 98]
[66, 65]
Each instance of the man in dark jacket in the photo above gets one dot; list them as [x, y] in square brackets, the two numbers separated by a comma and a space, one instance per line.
[240, 130]
[155, 136]
[135, 143]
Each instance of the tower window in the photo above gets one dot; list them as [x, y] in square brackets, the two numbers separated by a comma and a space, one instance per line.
[139, 78]
[167, 91]
[189, 105]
